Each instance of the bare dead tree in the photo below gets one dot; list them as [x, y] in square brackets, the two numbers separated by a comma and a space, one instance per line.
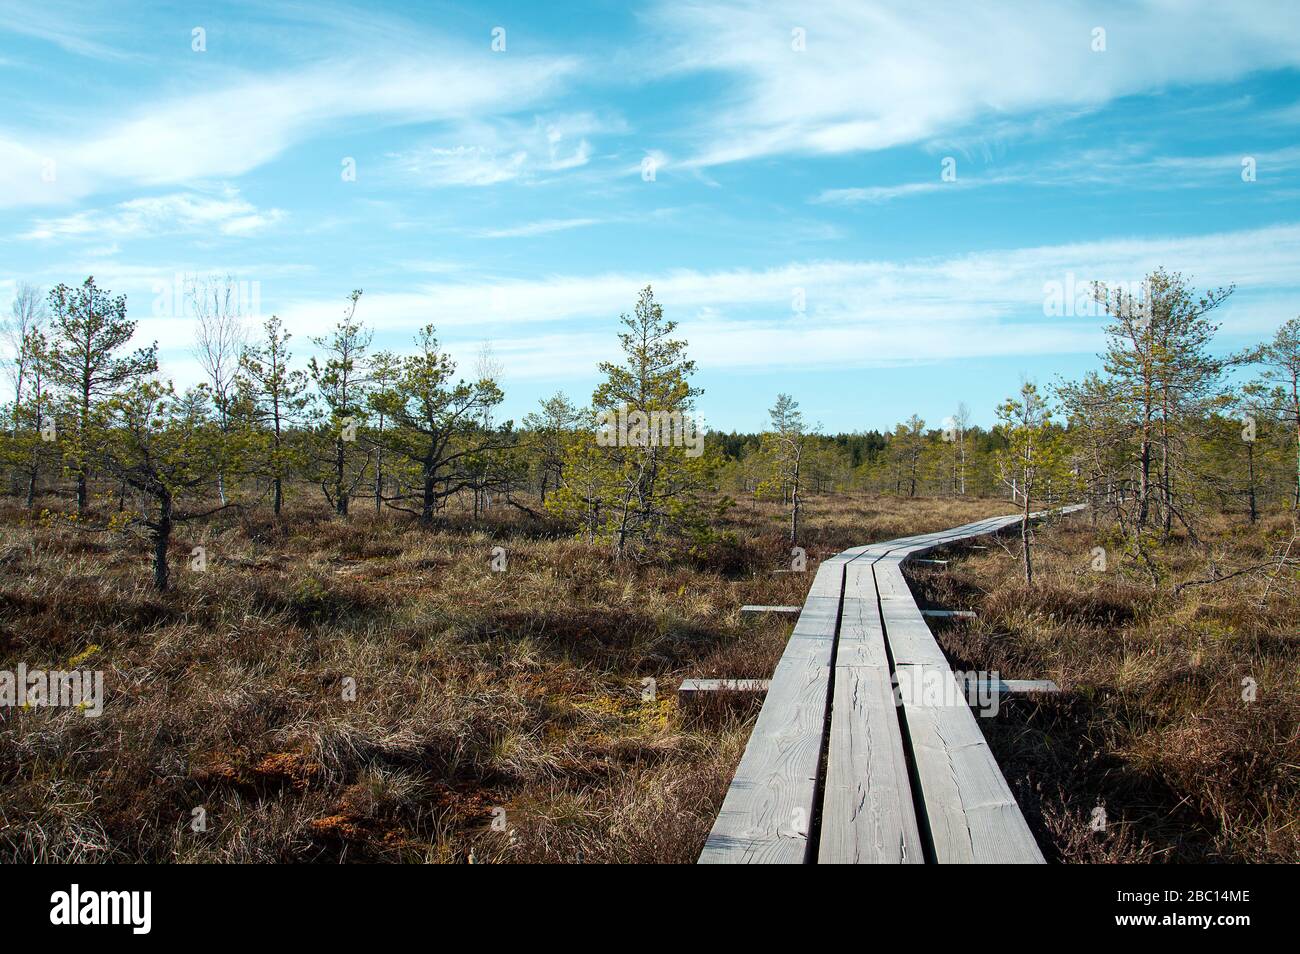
[28, 315]
[221, 337]
[960, 425]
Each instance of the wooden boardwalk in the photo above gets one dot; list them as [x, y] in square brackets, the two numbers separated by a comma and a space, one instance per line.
[865, 750]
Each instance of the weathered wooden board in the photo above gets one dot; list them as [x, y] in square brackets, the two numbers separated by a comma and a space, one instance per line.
[970, 812]
[971, 815]
[1005, 687]
[765, 815]
[692, 687]
[862, 638]
[890, 581]
[767, 811]
[910, 639]
[752, 610]
[867, 812]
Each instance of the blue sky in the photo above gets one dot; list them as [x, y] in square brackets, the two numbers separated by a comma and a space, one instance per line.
[797, 153]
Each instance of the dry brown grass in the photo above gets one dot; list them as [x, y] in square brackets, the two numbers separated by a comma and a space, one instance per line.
[482, 692]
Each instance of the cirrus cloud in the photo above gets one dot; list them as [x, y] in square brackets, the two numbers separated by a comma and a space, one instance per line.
[174, 213]
[873, 75]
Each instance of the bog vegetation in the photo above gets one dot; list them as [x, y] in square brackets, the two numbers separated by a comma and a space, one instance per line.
[348, 610]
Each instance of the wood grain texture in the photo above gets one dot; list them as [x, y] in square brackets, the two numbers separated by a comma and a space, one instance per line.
[890, 581]
[751, 610]
[969, 809]
[690, 687]
[978, 683]
[767, 812]
[867, 811]
[862, 638]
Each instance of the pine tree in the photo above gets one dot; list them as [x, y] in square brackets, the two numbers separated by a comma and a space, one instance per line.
[650, 393]
[88, 331]
[552, 432]
[589, 485]
[1032, 459]
[273, 397]
[169, 451]
[437, 425]
[341, 385]
[1157, 352]
[908, 439]
[1101, 435]
[385, 375]
[786, 443]
[1280, 359]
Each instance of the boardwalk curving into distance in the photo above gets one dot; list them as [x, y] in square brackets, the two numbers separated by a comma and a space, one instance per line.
[835, 771]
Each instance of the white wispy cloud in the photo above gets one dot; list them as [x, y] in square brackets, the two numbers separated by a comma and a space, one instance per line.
[44, 21]
[1126, 167]
[881, 74]
[542, 227]
[856, 313]
[226, 131]
[484, 153]
[462, 165]
[878, 194]
[174, 213]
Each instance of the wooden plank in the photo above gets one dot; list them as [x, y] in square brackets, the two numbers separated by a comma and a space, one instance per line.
[970, 812]
[1016, 687]
[862, 638]
[890, 581]
[910, 639]
[816, 622]
[767, 811]
[754, 610]
[867, 811]
[693, 687]
[961, 614]
[1005, 687]
[765, 815]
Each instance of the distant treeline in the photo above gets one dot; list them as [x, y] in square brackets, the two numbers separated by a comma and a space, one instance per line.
[862, 461]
